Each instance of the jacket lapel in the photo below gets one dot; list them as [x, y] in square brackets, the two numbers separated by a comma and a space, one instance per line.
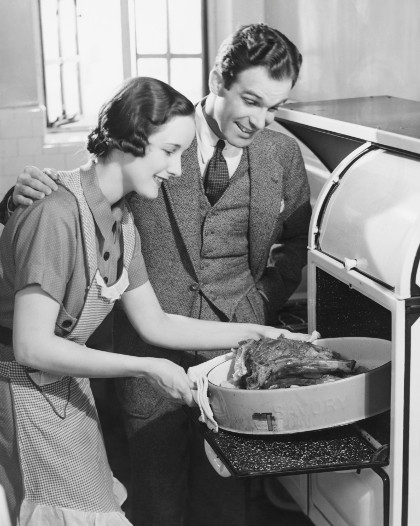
[266, 177]
[183, 196]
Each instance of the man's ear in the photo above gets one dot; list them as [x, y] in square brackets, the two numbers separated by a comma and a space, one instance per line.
[216, 83]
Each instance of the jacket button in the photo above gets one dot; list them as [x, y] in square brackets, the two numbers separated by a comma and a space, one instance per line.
[194, 286]
[66, 324]
[106, 256]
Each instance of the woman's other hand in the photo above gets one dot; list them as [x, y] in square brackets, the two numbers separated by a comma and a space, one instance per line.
[33, 184]
[170, 379]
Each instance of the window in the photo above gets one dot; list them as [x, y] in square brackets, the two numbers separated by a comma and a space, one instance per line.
[169, 43]
[61, 60]
[90, 46]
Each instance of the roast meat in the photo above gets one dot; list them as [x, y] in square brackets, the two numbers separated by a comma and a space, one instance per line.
[269, 364]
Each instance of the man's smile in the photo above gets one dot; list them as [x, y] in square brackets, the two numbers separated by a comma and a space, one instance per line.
[247, 131]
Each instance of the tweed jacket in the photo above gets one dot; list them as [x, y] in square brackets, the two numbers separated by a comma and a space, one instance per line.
[170, 226]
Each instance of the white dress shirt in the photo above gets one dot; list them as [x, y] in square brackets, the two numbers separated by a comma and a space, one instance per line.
[206, 143]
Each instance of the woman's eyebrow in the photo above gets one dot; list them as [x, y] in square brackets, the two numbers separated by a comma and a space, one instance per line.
[172, 145]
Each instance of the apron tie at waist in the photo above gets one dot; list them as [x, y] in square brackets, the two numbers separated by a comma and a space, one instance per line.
[6, 335]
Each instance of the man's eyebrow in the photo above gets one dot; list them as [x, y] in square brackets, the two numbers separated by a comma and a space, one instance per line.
[281, 102]
[252, 93]
[259, 98]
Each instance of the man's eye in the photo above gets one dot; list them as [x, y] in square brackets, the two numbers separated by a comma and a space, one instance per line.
[277, 107]
[168, 152]
[250, 102]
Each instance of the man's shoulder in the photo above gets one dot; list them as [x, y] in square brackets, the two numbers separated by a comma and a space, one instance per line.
[59, 206]
[276, 138]
[271, 144]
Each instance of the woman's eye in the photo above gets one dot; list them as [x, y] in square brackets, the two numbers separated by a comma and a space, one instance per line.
[168, 152]
[250, 102]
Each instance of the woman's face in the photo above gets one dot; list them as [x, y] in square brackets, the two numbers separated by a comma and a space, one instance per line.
[162, 160]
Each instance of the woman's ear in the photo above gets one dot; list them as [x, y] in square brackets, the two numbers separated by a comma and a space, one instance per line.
[215, 82]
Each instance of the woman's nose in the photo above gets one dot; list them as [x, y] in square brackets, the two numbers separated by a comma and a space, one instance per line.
[175, 166]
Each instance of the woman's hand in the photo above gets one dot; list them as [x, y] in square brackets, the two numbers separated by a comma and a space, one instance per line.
[33, 184]
[170, 379]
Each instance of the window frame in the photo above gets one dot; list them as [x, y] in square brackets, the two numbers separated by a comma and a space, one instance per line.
[129, 58]
[61, 61]
[129, 50]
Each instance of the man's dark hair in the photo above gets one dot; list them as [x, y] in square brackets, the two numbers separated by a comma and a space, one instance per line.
[258, 45]
[134, 113]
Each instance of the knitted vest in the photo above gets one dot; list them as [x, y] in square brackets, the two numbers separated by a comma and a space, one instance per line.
[225, 275]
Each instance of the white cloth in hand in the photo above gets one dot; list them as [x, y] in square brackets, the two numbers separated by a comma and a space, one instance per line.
[198, 374]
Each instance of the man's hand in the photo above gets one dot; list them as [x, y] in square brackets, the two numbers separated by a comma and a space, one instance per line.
[33, 184]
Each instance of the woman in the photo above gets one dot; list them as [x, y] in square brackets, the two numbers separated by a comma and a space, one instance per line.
[64, 261]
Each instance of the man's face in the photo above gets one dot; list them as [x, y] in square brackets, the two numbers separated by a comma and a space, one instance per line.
[249, 105]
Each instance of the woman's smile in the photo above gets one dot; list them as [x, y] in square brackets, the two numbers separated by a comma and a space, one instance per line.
[158, 179]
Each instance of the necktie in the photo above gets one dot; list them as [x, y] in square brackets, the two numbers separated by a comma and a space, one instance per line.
[217, 175]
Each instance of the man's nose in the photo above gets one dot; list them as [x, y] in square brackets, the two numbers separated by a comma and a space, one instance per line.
[269, 118]
[261, 119]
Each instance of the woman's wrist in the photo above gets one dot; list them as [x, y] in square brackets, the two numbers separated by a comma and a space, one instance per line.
[145, 367]
[255, 332]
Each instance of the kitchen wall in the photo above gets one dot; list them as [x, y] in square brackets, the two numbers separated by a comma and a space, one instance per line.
[23, 138]
[350, 47]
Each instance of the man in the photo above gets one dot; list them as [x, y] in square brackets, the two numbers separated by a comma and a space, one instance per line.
[206, 244]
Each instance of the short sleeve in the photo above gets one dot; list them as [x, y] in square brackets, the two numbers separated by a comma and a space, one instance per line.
[45, 244]
[137, 273]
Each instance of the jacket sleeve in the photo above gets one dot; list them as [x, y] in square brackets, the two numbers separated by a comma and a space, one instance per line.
[6, 209]
[289, 252]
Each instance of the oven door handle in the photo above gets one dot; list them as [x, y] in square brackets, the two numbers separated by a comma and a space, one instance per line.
[215, 461]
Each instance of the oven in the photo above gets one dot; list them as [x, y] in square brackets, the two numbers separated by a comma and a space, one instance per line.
[364, 282]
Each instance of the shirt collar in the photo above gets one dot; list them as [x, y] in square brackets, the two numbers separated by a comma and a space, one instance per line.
[207, 139]
[105, 217]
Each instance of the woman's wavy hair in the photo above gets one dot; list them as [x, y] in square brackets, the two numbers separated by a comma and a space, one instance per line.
[258, 45]
[135, 112]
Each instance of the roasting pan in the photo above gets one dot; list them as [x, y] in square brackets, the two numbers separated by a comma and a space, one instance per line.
[301, 409]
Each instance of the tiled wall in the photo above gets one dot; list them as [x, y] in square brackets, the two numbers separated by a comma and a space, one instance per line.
[23, 140]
